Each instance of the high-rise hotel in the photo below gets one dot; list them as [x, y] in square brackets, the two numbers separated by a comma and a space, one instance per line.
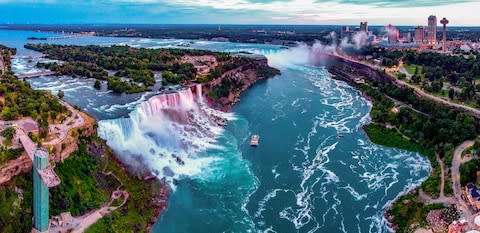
[432, 29]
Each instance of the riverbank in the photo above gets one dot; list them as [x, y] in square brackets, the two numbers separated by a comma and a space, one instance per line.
[404, 120]
[89, 171]
[101, 174]
[224, 92]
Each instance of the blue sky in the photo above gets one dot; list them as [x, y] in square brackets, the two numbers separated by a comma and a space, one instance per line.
[377, 12]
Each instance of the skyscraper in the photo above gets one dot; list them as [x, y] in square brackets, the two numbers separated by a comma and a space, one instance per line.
[344, 32]
[393, 34]
[364, 26]
[432, 29]
[419, 35]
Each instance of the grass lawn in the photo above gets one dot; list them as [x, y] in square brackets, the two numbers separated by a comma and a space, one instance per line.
[391, 138]
[411, 69]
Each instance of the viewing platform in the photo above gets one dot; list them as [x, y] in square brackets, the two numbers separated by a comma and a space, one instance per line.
[49, 177]
[46, 172]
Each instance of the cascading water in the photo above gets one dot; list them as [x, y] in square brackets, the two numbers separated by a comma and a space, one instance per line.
[166, 133]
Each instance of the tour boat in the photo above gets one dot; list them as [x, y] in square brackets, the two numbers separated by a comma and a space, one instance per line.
[254, 140]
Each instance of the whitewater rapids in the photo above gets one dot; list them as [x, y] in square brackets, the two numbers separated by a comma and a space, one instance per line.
[167, 134]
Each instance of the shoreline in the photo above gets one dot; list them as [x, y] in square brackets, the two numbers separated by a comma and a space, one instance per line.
[362, 79]
[408, 189]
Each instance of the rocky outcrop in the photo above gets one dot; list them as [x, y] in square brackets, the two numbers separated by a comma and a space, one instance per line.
[350, 70]
[58, 152]
[236, 81]
[62, 150]
[15, 167]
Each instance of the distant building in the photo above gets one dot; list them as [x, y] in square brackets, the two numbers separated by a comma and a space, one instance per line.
[364, 26]
[472, 193]
[432, 29]
[419, 35]
[393, 34]
[444, 22]
[345, 31]
[406, 37]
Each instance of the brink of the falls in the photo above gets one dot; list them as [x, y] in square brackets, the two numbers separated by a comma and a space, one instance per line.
[166, 134]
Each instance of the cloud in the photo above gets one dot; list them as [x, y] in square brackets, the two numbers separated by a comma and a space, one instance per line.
[377, 12]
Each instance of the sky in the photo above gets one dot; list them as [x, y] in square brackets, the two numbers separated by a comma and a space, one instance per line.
[316, 12]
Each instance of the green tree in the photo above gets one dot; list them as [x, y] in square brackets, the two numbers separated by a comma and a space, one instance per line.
[451, 93]
[97, 84]
[60, 94]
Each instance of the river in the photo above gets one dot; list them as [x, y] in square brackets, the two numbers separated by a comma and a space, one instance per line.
[314, 171]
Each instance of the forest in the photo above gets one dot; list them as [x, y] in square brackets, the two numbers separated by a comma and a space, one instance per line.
[18, 100]
[426, 127]
[454, 76]
[79, 196]
[133, 69]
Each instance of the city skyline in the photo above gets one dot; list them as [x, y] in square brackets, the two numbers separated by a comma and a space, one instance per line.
[301, 12]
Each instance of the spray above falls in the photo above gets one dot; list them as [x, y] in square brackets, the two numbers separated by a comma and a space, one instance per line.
[167, 134]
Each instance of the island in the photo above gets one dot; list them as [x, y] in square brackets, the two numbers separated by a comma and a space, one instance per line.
[109, 193]
[125, 69]
[91, 182]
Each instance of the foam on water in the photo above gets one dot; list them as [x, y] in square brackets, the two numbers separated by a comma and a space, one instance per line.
[313, 186]
[167, 133]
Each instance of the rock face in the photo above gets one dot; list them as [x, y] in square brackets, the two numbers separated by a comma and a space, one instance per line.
[58, 152]
[239, 79]
[61, 151]
[15, 167]
[350, 70]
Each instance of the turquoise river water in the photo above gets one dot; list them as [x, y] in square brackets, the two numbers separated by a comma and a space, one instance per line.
[314, 171]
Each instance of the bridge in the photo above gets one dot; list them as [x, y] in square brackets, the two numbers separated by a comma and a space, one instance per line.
[35, 74]
[76, 35]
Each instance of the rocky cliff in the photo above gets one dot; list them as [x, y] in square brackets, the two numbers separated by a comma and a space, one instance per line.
[225, 91]
[350, 70]
[58, 152]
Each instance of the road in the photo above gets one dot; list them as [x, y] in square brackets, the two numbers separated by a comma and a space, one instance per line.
[457, 188]
[475, 112]
[424, 94]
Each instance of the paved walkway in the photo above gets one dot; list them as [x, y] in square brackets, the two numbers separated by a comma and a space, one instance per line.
[82, 223]
[457, 188]
[442, 175]
[25, 125]
[74, 121]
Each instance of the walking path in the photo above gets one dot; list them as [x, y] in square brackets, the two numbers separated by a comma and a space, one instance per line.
[442, 176]
[457, 188]
[442, 199]
[475, 112]
[75, 120]
[457, 160]
[81, 223]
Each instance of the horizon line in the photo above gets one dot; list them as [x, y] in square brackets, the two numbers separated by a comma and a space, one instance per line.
[209, 24]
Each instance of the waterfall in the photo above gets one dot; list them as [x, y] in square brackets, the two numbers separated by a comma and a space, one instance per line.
[167, 133]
